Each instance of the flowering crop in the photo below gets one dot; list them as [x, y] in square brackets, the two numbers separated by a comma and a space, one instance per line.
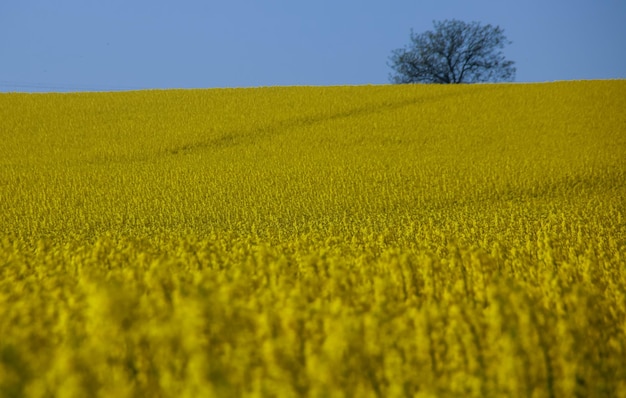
[374, 241]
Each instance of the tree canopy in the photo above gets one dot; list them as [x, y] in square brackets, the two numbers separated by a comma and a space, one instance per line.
[453, 52]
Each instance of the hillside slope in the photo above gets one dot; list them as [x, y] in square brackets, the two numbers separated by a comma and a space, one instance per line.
[192, 160]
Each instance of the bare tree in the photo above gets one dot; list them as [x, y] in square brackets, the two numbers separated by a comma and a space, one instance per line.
[454, 52]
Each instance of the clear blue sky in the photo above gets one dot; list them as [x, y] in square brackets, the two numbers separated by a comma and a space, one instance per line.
[75, 45]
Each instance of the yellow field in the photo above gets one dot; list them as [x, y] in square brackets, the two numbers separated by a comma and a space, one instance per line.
[374, 241]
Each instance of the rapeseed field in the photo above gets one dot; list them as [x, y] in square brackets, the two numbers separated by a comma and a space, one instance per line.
[369, 241]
